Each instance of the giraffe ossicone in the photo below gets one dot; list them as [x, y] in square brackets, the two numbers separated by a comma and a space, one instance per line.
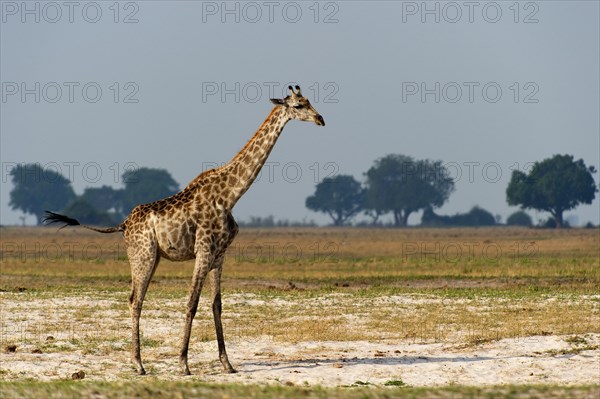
[196, 223]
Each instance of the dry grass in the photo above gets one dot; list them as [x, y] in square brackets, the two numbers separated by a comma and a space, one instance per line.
[459, 286]
[564, 260]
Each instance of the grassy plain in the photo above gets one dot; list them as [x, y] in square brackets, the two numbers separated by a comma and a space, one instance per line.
[420, 259]
[462, 287]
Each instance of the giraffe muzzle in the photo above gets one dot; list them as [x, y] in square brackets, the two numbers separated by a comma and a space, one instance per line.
[320, 121]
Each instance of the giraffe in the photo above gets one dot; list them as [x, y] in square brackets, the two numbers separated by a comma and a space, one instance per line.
[197, 223]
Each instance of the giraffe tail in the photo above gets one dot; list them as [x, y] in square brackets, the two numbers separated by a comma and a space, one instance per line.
[55, 218]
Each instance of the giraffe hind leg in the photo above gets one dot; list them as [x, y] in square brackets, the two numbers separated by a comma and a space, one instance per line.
[142, 269]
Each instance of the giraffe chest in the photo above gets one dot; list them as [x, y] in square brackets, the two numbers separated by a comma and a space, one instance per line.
[215, 238]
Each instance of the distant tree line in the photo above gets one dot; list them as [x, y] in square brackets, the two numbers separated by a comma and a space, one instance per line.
[396, 185]
[37, 190]
[400, 185]
[270, 221]
[475, 217]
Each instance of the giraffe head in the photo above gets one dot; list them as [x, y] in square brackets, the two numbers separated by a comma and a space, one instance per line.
[298, 107]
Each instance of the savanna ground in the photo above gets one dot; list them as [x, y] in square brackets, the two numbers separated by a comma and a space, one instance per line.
[499, 312]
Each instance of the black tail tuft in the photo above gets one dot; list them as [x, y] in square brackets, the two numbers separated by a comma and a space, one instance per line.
[55, 218]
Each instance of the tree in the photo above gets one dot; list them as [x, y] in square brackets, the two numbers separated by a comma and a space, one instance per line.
[475, 217]
[86, 213]
[553, 185]
[145, 185]
[105, 199]
[519, 218]
[341, 197]
[37, 189]
[479, 217]
[401, 185]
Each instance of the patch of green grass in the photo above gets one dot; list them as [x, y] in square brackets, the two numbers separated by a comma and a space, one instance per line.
[572, 351]
[576, 340]
[149, 343]
[146, 387]
[395, 383]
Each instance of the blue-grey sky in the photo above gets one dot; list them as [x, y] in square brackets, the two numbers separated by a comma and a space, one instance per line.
[93, 88]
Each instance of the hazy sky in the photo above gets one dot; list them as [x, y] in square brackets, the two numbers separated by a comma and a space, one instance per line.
[93, 88]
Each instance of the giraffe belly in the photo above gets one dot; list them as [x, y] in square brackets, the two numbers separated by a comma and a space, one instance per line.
[176, 246]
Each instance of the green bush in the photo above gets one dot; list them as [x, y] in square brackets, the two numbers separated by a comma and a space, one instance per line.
[519, 218]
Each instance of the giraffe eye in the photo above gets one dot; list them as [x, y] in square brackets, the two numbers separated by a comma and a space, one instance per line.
[297, 106]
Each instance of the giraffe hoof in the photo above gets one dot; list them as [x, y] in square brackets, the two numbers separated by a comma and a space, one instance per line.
[141, 372]
[230, 370]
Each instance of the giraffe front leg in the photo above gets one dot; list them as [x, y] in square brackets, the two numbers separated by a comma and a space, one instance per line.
[217, 309]
[200, 270]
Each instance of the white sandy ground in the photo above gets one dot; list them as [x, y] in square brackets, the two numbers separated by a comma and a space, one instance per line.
[525, 361]
[262, 360]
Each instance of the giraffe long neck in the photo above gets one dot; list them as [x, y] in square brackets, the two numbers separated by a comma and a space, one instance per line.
[243, 169]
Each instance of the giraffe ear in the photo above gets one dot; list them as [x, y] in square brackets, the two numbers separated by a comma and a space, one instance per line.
[277, 101]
